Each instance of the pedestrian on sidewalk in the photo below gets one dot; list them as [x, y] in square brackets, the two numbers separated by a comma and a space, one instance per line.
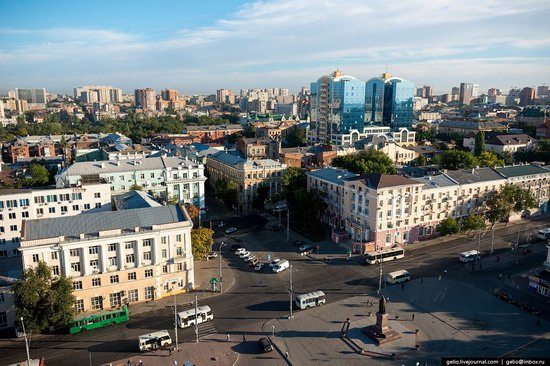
[498, 259]
[422, 280]
[170, 352]
[228, 338]
[244, 338]
[413, 317]
[129, 363]
[402, 286]
[509, 275]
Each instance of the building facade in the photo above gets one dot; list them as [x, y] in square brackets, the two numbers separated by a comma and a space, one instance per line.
[398, 109]
[115, 258]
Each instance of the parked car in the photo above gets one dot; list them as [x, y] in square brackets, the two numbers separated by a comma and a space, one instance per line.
[297, 243]
[251, 258]
[259, 267]
[281, 266]
[212, 255]
[530, 308]
[234, 247]
[307, 251]
[506, 297]
[277, 228]
[265, 345]
[244, 254]
[304, 247]
[274, 262]
[240, 250]
[253, 262]
[231, 230]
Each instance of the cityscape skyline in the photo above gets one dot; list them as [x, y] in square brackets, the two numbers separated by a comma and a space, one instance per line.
[203, 47]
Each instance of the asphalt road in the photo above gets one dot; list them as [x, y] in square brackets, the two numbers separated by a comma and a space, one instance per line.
[257, 297]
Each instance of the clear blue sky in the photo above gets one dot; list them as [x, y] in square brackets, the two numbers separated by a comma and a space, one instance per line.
[200, 46]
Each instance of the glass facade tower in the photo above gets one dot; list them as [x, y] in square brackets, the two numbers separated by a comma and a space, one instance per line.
[374, 101]
[398, 103]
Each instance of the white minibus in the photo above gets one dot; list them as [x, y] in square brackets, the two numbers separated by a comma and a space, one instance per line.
[281, 266]
[398, 276]
[315, 298]
[194, 316]
[470, 255]
[153, 341]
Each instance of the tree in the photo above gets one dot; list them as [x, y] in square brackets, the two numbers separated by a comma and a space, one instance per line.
[448, 226]
[454, 160]
[480, 143]
[136, 187]
[39, 175]
[488, 158]
[421, 160]
[511, 198]
[366, 161]
[193, 211]
[473, 222]
[43, 300]
[226, 190]
[296, 138]
[201, 242]
[292, 181]
[262, 192]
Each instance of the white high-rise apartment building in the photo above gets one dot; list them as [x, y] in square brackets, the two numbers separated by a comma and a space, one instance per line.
[98, 93]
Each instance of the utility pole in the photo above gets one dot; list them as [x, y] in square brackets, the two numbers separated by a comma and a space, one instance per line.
[221, 278]
[26, 343]
[492, 239]
[175, 320]
[279, 217]
[380, 277]
[290, 293]
[196, 321]
[287, 225]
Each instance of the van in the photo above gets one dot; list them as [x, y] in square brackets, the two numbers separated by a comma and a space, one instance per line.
[281, 266]
[154, 341]
[469, 256]
[398, 276]
[544, 234]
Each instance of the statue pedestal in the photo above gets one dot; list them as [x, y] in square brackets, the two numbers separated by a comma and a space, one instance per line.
[381, 332]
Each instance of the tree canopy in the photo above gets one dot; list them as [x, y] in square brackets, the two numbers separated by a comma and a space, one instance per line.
[201, 242]
[511, 198]
[479, 143]
[366, 161]
[455, 159]
[42, 299]
[448, 226]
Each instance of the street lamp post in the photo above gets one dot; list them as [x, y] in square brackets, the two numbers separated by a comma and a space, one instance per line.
[26, 343]
[380, 277]
[175, 320]
[287, 225]
[290, 293]
[221, 278]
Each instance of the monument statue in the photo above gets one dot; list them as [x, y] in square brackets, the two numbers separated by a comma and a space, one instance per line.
[382, 305]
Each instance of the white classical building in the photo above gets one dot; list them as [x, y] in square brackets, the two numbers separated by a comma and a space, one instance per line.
[17, 205]
[116, 257]
[166, 177]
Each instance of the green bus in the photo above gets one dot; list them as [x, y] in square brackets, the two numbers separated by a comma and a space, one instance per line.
[99, 320]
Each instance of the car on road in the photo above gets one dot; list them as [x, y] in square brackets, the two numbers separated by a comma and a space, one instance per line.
[505, 296]
[212, 255]
[281, 266]
[251, 258]
[307, 250]
[277, 228]
[304, 247]
[530, 308]
[234, 247]
[240, 250]
[231, 230]
[259, 266]
[298, 243]
[274, 262]
[281, 207]
[253, 262]
[265, 345]
[245, 254]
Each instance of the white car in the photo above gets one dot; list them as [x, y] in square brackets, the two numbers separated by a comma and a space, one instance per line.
[212, 255]
[231, 230]
[274, 262]
[251, 258]
[244, 254]
[240, 250]
[259, 267]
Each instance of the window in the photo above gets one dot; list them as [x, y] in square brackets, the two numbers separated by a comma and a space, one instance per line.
[163, 240]
[12, 215]
[112, 261]
[142, 176]
[1, 229]
[77, 285]
[149, 292]
[96, 303]
[93, 264]
[129, 245]
[178, 238]
[179, 266]
[51, 210]
[13, 227]
[25, 214]
[152, 175]
[64, 209]
[165, 269]
[51, 198]
[179, 251]
[130, 258]
[79, 305]
[55, 270]
[86, 206]
[147, 256]
[114, 279]
[64, 197]
[97, 195]
[75, 267]
[147, 242]
[148, 273]
[98, 205]
[164, 253]
[40, 211]
[39, 199]
[35, 258]
[76, 196]
[54, 256]
[132, 276]
[94, 250]
[2, 299]
[76, 207]
[73, 252]
[11, 203]
[112, 247]
[133, 295]
[3, 319]
[96, 282]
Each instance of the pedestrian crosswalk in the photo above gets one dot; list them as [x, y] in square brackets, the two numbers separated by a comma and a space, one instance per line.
[206, 329]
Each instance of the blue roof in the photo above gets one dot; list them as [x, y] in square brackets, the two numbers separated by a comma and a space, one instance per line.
[332, 175]
[227, 158]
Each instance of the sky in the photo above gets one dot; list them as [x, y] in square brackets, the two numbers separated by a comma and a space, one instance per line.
[198, 47]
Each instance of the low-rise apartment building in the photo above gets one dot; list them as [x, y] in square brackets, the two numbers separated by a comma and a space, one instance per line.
[18, 205]
[247, 174]
[116, 257]
[166, 177]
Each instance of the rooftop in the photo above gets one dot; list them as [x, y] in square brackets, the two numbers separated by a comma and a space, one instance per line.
[332, 175]
[377, 181]
[473, 175]
[521, 170]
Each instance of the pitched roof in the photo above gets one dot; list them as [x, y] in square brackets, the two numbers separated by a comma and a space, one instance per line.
[332, 175]
[377, 181]
[506, 140]
[521, 170]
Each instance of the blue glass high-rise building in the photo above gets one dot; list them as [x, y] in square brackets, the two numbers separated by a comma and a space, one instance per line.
[374, 100]
[398, 103]
[337, 105]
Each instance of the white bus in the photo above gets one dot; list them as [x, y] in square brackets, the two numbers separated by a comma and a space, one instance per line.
[398, 276]
[384, 255]
[154, 341]
[311, 299]
[544, 234]
[470, 255]
[191, 317]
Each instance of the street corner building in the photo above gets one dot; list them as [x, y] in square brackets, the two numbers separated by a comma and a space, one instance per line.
[116, 257]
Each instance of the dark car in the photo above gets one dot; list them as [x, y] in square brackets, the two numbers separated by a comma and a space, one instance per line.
[530, 308]
[305, 249]
[506, 297]
[297, 243]
[277, 228]
[234, 247]
[265, 345]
